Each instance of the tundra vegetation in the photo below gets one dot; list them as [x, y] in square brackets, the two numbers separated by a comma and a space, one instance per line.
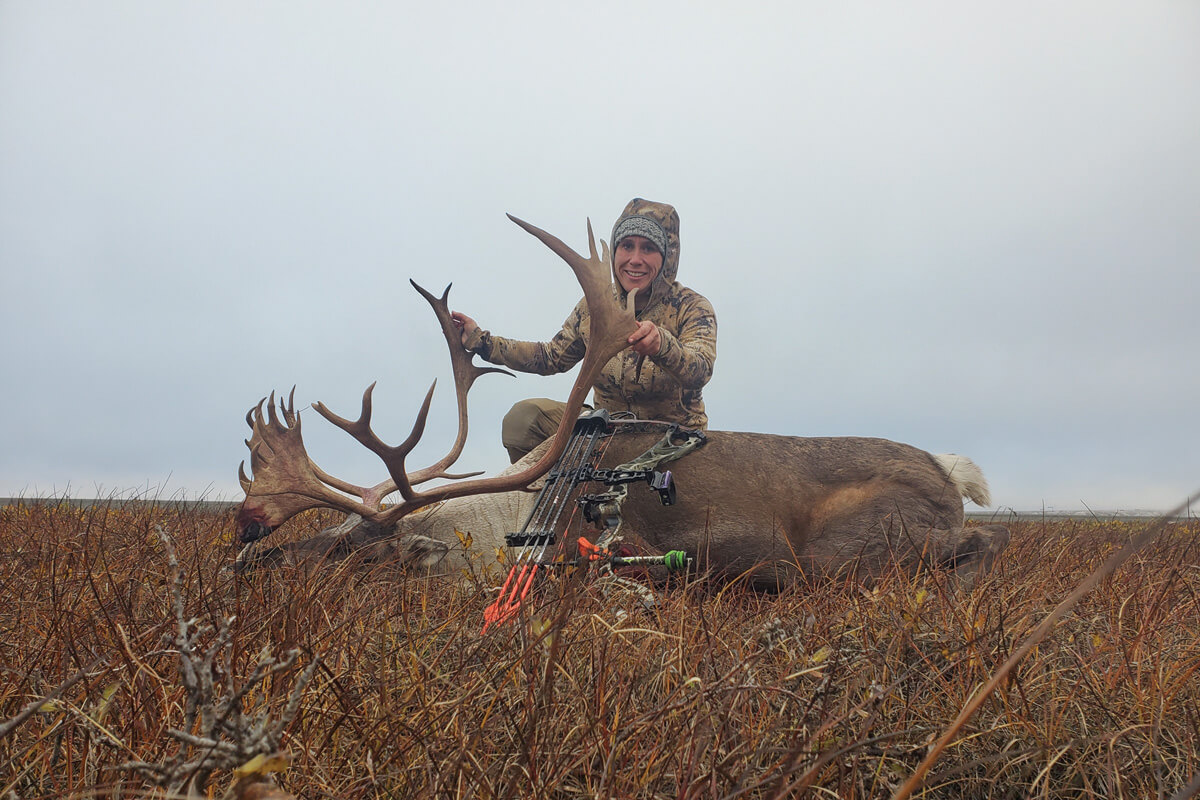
[829, 690]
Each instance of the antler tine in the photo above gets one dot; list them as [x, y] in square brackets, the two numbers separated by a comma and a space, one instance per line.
[250, 415]
[274, 420]
[252, 444]
[289, 410]
[373, 495]
[458, 476]
[595, 277]
[465, 371]
[392, 457]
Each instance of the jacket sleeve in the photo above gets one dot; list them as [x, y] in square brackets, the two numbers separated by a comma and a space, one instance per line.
[690, 354]
[559, 354]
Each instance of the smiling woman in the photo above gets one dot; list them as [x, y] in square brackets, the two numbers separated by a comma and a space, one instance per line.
[637, 263]
[660, 376]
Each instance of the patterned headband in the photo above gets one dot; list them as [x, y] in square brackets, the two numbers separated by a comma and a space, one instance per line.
[641, 226]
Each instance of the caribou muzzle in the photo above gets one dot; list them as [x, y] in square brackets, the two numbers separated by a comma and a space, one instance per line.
[253, 531]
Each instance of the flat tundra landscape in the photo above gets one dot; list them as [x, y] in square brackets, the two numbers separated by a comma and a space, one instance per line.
[134, 663]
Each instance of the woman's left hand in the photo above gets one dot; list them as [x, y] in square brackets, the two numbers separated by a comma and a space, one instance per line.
[646, 340]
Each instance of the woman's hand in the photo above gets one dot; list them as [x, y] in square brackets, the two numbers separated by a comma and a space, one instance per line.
[646, 340]
[464, 324]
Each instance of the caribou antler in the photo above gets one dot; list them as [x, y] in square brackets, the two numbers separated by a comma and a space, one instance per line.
[286, 481]
[609, 330]
[465, 374]
[300, 484]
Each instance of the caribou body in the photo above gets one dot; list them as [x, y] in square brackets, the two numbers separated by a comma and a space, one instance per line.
[769, 509]
[766, 508]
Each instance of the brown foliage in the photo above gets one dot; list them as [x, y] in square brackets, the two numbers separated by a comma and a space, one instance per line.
[717, 692]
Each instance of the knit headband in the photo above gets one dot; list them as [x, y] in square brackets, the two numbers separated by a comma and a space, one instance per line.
[641, 226]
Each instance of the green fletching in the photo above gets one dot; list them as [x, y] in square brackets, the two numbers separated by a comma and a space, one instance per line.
[676, 560]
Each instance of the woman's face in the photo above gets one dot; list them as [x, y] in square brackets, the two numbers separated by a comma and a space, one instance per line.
[638, 262]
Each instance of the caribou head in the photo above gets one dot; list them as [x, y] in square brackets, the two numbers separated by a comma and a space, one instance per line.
[287, 481]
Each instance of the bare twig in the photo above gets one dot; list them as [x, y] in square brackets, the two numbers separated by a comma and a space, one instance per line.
[227, 737]
[32, 708]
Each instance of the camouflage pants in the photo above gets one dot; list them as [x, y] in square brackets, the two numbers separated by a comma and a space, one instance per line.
[530, 422]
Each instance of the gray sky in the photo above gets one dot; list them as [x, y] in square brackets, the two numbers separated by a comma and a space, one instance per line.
[972, 227]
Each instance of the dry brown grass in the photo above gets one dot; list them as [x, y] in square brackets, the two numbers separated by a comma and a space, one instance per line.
[830, 691]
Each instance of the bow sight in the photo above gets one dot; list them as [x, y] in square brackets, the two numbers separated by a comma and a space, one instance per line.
[661, 482]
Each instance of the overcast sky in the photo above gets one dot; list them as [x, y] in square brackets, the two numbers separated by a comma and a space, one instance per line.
[972, 227]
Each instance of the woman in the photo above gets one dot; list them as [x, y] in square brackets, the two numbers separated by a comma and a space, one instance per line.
[670, 356]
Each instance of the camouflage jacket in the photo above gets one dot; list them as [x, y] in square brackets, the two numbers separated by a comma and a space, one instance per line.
[670, 383]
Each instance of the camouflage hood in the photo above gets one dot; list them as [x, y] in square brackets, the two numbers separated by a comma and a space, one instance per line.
[665, 217]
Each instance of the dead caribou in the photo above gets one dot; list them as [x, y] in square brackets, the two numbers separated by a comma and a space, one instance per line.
[770, 509]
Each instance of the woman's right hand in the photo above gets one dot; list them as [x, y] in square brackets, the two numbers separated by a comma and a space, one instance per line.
[464, 324]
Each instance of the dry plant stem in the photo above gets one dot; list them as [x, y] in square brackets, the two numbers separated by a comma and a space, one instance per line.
[1111, 565]
[717, 692]
[227, 737]
[31, 708]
